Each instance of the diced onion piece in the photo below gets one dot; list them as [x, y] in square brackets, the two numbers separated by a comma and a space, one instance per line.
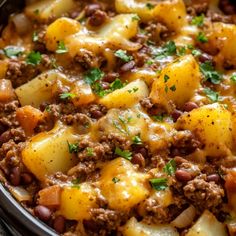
[20, 194]
[6, 91]
[22, 23]
[185, 218]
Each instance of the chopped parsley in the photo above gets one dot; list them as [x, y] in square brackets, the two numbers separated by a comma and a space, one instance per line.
[93, 75]
[168, 49]
[201, 37]
[209, 73]
[61, 48]
[150, 6]
[35, 36]
[13, 51]
[73, 148]
[181, 51]
[90, 152]
[166, 88]
[233, 78]
[122, 54]
[65, 96]
[198, 20]
[135, 17]
[212, 95]
[133, 90]
[158, 118]
[159, 183]
[116, 84]
[123, 153]
[115, 180]
[76, 181]
[173, 88]
[34, 58]
[137, 140]
[36, 12]
[196, 52]
[170, 167]
[166, 78]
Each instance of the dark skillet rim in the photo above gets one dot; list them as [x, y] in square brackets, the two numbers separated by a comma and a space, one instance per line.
[17, 216]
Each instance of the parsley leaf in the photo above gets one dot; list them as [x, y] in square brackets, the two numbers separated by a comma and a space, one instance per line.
[90, 152]
[115, 180]
[233, 78]
[35, 37]
[122, 54]
[73, 148]
[116, 84]
[181, 51]
[168, 49]
[150, 6]
[64, 96]
[196, 52]
[201, 37]
[137, 140]
[75, 181]
[210, 74]
[135, 17]
[170, 167]
[13, 51]
[158, 118]
[212, 95]
[198, 20]
[93, 75]
[34, 58]
[133, 90]
[61, 48]
[173, 88]
[124, 153]
[159, 183]
[166, 78]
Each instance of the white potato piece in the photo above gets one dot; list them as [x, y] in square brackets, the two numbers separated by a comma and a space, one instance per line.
[47, 152]
[127, 96]
[44, 10]
[207, 225]
[135, 228]
[39, 89]
[132, 187]
[76, 201]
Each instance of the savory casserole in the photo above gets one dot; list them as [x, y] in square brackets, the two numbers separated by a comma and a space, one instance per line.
[118, 117]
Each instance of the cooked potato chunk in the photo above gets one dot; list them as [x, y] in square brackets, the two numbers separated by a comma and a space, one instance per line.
[127, 189]
[126, 97]
[47, 152]
[76, 201]
[43, 10]
[135, 228]
[177, 82]
[39, 89]
[6, 90]
[207, 225]
[212, 125]
[59, 30]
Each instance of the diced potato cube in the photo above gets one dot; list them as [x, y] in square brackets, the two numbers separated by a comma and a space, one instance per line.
[126, 97]
[59, 30]
[207, 225]
[47, 152]
[3, 69]
[130, 189]
[135, 228]
[39, 89]
[177, 82]
[76, 201]
[212, 125]
[6, 90]
[28, 118]
[44, 10]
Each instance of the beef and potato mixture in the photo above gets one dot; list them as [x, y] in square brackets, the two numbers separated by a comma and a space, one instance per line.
[119, 117]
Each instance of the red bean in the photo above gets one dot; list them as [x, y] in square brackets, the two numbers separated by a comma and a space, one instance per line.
[96, 114]
[90, 9]
[176, 114]
[26, 178]
[43, 213]
[189, 106]
[98, 18]
[183, 175]
[105, 85]
[205, 57]
[213, 177]
[59, 224]
[15, 177]
[127, 66]
[138, 159]
[110, 77]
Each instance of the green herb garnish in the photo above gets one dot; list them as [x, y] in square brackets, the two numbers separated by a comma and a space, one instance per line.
[35, 36]
[135, 17]
[209, 73]
[90, 152]
[93, 75]
[201, 37]
[212, 95]
[34, 58]
[73, 148]
[166, 78]
[13, 51]
[173, 88]
[61, 48]
[198, 20]
[159, 183]
[123, 153]
[233, 78]
[64, 96]
[150, 6]
[122, 54]
[168, 49]
[115, 180]
[170, 167]
[137, 140]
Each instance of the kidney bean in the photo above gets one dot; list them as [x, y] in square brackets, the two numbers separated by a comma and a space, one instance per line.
[213, 177]
[110, 77]
[127, 66]
[43, 213]
[26, 178]
[90, 224]
[105, 85]
[183, 175]
[138, 159]
[205, 57]
[59, 224]
[176, 114]
[189, 106]
[91, 9]
[98, 18]
[15, 177]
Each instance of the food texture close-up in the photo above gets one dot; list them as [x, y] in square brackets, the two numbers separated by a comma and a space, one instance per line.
[118, 117]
